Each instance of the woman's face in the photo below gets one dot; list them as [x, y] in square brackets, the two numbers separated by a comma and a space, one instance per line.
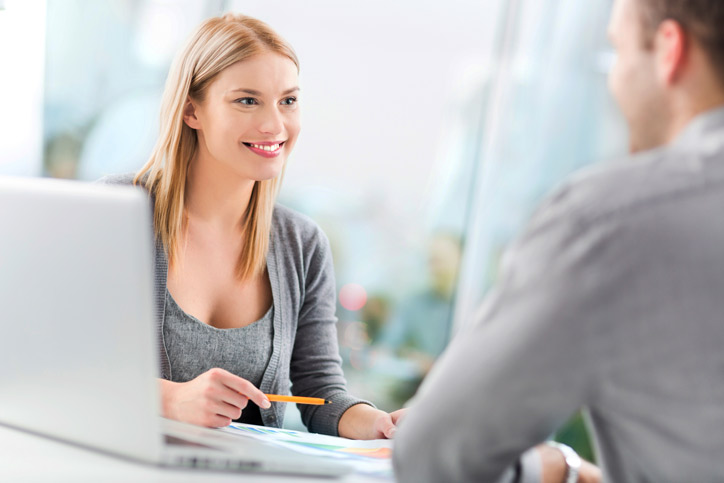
[249, 121]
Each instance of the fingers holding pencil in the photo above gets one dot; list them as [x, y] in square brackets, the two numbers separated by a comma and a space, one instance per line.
[299, 400]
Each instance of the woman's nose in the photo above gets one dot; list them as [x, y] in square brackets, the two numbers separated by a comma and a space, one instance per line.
[271, 121]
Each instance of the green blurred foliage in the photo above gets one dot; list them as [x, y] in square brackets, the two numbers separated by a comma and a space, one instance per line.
[575, 434]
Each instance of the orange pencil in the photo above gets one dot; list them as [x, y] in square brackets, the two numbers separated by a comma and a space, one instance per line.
[299, 400]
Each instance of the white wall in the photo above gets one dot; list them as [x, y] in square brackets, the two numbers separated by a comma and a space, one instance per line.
[377, 78]
[22, 57]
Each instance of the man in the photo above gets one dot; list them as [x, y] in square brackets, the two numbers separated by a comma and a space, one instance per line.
[613, 298]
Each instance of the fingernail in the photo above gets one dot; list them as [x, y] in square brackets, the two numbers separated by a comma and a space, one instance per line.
[265, 404]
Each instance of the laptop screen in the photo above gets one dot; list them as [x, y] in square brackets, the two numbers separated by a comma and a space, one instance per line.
[78, 358]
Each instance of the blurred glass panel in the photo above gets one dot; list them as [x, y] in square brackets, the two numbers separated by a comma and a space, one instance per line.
[106, 65]
[552, 115]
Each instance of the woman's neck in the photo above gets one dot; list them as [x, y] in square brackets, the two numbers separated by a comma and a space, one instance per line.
[215, 195]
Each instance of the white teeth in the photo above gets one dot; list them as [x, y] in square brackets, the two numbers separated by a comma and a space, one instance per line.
[268, 147]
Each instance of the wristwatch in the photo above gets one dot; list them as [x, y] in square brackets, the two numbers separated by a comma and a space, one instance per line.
[573, 461]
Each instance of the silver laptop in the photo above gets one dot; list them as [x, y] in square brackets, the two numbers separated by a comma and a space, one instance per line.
[77, 353]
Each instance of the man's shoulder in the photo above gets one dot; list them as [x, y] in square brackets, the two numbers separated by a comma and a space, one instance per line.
[625, 186]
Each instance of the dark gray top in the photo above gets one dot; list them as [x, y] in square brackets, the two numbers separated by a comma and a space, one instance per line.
[244, 351]
[305, 355]
[612, 300]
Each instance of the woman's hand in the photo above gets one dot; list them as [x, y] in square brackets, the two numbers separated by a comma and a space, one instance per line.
[362, 421]
[213, 399]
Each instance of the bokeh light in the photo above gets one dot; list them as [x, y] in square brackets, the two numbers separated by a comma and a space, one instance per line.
[352, 296]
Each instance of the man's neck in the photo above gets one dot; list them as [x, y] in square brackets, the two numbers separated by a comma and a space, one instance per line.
[697, 95]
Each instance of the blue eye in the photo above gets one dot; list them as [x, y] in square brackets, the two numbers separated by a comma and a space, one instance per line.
[289, 101]
[247, 101]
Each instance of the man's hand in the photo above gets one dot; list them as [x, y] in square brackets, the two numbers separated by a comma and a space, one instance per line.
[554, 467]
[213, 399]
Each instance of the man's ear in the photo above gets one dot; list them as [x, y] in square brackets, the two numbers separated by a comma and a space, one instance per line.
[671, 45]
[190, 114]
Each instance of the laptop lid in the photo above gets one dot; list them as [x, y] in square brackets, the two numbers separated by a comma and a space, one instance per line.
[77, 333]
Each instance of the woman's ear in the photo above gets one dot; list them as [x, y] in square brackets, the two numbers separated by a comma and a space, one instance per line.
[190, 114]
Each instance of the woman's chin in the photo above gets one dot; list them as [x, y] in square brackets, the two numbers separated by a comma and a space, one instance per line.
[266, 175]
[260, 173]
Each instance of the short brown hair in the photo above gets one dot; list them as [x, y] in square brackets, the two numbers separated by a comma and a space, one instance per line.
[702, 19]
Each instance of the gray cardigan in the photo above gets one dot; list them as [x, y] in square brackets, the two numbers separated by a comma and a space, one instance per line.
[305, 350]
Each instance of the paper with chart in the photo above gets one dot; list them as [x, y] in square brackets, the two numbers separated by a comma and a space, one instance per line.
[369, 457]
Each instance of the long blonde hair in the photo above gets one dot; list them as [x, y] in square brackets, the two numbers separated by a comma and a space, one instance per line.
[218, 43]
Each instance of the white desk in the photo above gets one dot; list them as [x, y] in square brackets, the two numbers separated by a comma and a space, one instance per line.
[29, 458]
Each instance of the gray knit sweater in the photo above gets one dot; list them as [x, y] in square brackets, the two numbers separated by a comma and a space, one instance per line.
[305, 350]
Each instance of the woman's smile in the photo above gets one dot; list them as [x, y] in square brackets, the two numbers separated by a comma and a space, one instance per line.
[269, 149]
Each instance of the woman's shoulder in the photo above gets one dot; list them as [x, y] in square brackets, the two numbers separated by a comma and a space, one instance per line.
[118, 179]
[297, 228]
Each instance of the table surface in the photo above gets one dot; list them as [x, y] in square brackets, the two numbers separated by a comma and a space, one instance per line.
[26, 457]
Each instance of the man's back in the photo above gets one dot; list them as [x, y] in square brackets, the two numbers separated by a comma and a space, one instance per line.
[657, 403]
[613, 299]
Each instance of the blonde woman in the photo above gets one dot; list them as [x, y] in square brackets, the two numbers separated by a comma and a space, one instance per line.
[244, 288]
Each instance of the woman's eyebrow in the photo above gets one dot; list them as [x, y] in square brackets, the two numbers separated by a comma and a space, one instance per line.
[257, 93]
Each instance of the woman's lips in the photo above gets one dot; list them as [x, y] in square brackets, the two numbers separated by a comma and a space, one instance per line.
[267, 149]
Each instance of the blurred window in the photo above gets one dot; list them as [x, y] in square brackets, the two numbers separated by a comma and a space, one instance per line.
[551, 114]
[105, 69]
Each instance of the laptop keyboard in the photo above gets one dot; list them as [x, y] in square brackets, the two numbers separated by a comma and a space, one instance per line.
[220, 462]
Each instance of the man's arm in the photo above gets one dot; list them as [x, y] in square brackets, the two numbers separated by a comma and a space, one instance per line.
[528, 363]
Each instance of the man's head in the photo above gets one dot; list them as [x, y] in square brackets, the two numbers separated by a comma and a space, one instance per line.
[670, 64]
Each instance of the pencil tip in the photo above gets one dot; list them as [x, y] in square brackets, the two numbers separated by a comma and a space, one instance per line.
[327, 401]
